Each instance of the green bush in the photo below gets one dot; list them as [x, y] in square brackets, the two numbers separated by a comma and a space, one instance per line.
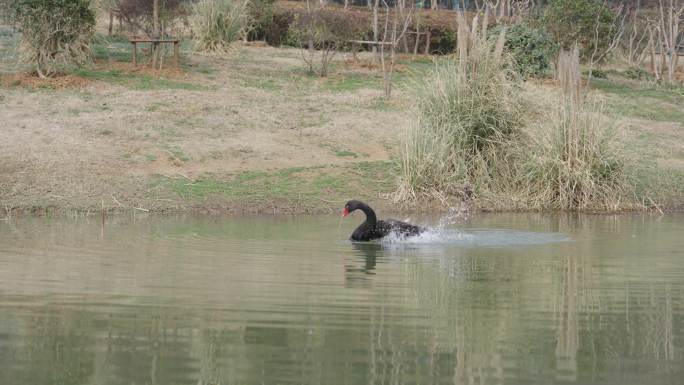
[277, 33]
[531, 49]
[261, 12]
[55, 33]
[576, 21]
[596, 73]
[637, 73]
[443, 42]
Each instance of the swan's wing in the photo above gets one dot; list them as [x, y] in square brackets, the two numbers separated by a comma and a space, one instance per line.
[402, 227]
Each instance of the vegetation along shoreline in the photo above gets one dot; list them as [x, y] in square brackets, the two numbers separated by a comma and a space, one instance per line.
[295, 107]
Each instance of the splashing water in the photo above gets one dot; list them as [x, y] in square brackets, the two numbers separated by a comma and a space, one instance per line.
[474, 238]
[430, 236]
[454, 216]
[443, 235]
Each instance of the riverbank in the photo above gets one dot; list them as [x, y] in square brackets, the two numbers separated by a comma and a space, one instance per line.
[253, 133]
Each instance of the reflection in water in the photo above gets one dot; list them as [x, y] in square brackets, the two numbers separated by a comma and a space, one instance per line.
[567, 329]
[56, 349]
[273, 300]
[358, 272]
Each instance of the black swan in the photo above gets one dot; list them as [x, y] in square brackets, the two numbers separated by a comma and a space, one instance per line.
[375, 229]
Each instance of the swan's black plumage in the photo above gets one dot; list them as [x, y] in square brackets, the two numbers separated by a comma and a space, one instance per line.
[375, 229]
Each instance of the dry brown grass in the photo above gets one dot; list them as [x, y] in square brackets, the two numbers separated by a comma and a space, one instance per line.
[76, 147]
[29, 80]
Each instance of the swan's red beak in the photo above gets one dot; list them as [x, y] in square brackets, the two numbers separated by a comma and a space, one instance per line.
[345, 212]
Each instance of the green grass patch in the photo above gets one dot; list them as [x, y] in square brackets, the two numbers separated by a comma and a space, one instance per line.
[114, 48]
[118, 48]
[382, 104]
[411, 71]
[297, 80]
[269, 83]
[200, 68]
[664, 185]
[342, 153]
[644, 101]
[345, 153]
[363, 179]
[176, 153]
[141, 82]
[351, 82]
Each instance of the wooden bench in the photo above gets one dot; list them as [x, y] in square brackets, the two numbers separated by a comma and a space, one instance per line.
[155, 43]
[356, 43]
[428, 38]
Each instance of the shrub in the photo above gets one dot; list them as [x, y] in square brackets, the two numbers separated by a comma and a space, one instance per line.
[444, 43]
[465, 117]
[577, 21]
[637, 73]
[531, 49]
[321, 33]
[596, 73]
[217, 24]
[55, 33]
[261, 13]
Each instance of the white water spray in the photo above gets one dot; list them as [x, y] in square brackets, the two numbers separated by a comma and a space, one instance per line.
[444, 234]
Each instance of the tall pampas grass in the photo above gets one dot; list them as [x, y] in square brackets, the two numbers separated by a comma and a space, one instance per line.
[574, 162]
[218, 24]
[465, 116]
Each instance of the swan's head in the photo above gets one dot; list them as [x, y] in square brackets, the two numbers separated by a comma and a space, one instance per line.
[351, 206]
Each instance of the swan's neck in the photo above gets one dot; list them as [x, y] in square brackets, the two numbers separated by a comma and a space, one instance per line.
[370, 215]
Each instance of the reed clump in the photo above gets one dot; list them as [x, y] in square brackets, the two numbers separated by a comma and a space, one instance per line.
[466, 114]
[469, 130]
[574, 162]
[218, 24]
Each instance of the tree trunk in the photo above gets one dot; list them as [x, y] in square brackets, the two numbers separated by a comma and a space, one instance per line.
[111, 23]
[375, 30]
[155, 18]
[155, 32]
[312, 53]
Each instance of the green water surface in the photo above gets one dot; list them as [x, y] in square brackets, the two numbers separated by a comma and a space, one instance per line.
[498, 299]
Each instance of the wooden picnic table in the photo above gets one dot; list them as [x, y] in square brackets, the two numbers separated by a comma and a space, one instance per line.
[428, 38]
[155, 43]
[356, 43]
[427, 34]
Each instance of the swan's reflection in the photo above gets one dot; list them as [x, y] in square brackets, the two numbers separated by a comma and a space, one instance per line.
[358, 275]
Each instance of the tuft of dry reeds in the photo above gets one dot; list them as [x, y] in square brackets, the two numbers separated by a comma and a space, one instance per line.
[468, 130]
[466, 114]
[218, 24]
[575, 163]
